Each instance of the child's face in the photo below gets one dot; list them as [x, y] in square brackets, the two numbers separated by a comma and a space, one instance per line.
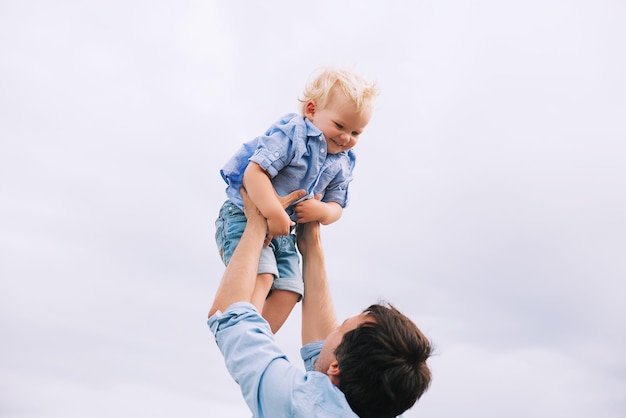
[339, 120]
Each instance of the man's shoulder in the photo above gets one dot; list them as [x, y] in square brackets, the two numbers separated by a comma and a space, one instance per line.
[317, 396]
[238, 312]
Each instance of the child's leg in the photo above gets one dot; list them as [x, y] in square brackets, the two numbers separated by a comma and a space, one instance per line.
[288, 287]
[261, 289]
[278, 306]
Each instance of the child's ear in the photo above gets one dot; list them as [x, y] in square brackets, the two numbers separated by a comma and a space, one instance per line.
[309, 109]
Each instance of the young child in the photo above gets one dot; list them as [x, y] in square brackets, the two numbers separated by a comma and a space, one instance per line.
[310, 152]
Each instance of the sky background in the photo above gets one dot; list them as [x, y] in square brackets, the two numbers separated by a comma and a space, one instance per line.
[488, 202]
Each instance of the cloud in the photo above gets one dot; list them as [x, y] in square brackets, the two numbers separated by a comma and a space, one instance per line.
[487, 201]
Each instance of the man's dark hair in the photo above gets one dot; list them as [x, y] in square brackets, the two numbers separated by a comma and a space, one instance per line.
[382, 364]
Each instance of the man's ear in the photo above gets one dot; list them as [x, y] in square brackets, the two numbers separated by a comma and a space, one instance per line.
[309, 109]
[333, 373]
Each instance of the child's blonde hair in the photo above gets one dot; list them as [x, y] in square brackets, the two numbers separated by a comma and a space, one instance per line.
[321, 83]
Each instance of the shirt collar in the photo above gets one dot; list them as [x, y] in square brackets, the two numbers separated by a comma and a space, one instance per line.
[311, 130]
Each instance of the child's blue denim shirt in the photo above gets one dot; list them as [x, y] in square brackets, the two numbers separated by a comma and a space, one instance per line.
[293, 152]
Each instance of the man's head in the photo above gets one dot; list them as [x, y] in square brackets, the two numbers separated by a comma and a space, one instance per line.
[340, 104]
[379, 363]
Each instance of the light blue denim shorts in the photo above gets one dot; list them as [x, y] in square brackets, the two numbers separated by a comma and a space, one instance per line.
[280, 259]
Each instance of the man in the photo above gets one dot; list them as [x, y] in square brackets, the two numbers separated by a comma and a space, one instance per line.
[372, 365]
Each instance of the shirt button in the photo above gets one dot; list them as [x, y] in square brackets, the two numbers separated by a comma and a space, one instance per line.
[276, 154]
[323, 150]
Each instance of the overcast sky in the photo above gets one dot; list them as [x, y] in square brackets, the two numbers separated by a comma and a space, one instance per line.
[488, 201]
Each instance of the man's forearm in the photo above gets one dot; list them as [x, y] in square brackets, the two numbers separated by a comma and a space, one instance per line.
[239, 278]
[318, 312]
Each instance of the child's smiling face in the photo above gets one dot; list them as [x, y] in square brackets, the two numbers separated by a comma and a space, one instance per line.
[339, 120]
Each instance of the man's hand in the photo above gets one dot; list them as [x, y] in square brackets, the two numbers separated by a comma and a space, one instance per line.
[253, 214]
[294, 196]
[281, 223]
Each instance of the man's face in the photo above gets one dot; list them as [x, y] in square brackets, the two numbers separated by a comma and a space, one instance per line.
[327, 356]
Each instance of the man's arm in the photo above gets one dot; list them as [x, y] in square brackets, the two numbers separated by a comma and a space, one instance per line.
[238, 281]
[318, 313]
[239, 278]
[252, 357]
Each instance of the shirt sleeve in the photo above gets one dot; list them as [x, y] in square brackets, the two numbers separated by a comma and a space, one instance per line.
[254, 360]
[276, 149]
[309, 353]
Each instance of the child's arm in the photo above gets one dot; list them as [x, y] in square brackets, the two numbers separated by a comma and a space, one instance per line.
[263, 195]
[315, 210]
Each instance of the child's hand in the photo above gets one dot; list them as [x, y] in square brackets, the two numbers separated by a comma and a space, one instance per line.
[277, 226]
[311, 210]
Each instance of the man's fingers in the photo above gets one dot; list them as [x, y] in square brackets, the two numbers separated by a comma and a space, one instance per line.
[286, 201]
[244, 194]
[249, 208]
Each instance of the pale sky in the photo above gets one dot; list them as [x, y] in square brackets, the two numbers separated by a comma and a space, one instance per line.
[488, 202]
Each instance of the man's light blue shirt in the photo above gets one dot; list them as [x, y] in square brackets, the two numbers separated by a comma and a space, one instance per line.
[293, 152]
[271, 385]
